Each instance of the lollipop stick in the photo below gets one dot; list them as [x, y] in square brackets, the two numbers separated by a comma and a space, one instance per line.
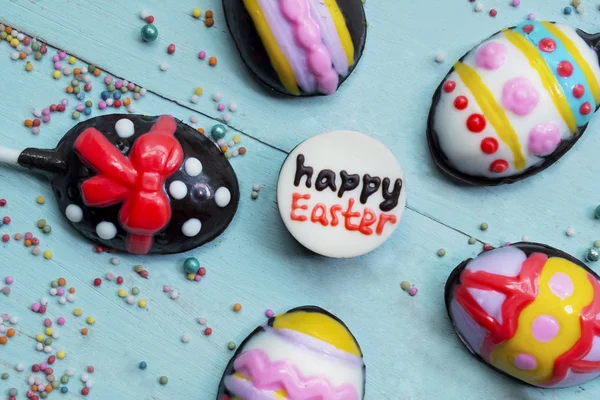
[9, 155]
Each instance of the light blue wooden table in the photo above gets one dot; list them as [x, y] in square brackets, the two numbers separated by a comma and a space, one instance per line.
[410, 349]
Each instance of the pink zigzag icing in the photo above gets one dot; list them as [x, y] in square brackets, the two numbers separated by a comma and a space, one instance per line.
[255, 365]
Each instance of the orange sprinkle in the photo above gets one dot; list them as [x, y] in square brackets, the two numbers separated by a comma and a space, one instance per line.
[10, 332]
[62, 282]
[28, 123]
[72, 290]
[224, 148]
[3, 340]
[242, 150]
[127, 101]
[22, 55]
[84, 331]
[201, 131]
[34, 388]
[27, 242]
[97, 72]
[237, 307]
[8, 30]
[69, 89]
[209, 22]
[212, 61]
[208, 14]
[48, 388]
[77, 71]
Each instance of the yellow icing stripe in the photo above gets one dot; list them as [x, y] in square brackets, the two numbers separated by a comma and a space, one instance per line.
[492, 111]
[342, 29]
[319, 326]
[547, 77]
[590, 77]
[278, 60]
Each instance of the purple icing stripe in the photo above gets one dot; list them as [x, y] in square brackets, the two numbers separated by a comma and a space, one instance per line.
[267, 375]
[283, 33]
[320, 13]
[246, 390]
[300, 339]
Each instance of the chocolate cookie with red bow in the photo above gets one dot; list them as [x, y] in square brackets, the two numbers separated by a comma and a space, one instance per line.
[140, 184]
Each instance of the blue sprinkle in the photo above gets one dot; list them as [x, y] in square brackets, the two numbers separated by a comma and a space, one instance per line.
[116, 95]
[81, 96]
[87, 111]
[105, 95]
[64, 389]
[568, 10]
[143, 365]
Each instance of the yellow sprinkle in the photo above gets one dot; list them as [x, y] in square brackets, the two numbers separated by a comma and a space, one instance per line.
[196, 12]
[237, 139]
[39, 337]
[122, 293]
[60, 355]
[56, 74]
[47, 254]
[9, 38]
[199, 91]
[40, 199]
[77, 312]
[90, 320]
[72, 60]
[142, 303]
[191, 277]
[28, 66]
[49, 331]
[14, 42]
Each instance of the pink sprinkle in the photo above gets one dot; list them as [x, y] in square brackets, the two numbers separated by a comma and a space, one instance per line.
[109, 276]
[35, 307]
[413, 291]
[119, 280]
[18, 236]
[61, 321]
[62, 55]
[166, 288]
[55, 58]
[43, 366]
[516, 3]
[29, 394]
[221, 107]
[118, 84]
[5, 317]
[28, 235]
[60, 291]
[197, 278]
[202, 55]
[269, 313]
[65, 102]
[46, 111]
[47, 322]
[130, 86]
[46, 119]
[531, 16]
[9, 280]
[57, 65]
[108, 79]
[507, 243]
[80, 107]
[102, 104]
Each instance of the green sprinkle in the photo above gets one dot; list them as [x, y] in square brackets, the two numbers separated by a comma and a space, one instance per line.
[64, 379]
[472, 240]
[231, 345]
[43, 395]
[593, 254]
[54, 284]
[405, 285]
[124, 89]
[38, 56]
[138, 268]
[35, 46]
[4, 376]
[135, 291]
[441, 252]
[47, 341]
[55, 385]
[110, 88]
[136, 89]
[3, 35]
[89, 104]
[76, 115]
[77, 90]
[41, 223]
[75, 83]
[47, 229]
[484, 226]
[91, 68]
[254, 195]
[163, 380]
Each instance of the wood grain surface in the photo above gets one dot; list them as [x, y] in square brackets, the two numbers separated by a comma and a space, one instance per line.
[410, 349]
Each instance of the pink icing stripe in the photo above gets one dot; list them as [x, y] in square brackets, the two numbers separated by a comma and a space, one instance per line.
[284, 35]
[321, 14]
[255, 364]
[308, 36]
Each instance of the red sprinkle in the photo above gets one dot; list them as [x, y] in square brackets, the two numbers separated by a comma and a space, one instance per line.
[461, 102]
[565, 69]
[547, 45]
[99, 249]
[6, 220]
[48, 371]
[35, 241]
[42, 310]
[97, 282]
[60, 108]
[578, 91]
[53, 107]
[585, 108]
[87, 87]
[499, 166]
[202, 271]
[449, 86]
[476, 123]
[489, 145]
[51, 360]
[35, 368]
[5, 238]
[117, 103]
[493, 12]
[208, 331]
[90, 369]
[119, 280]
[36, 122]
[85, 391]
[171, 49]
[144, 274]
[150, 19]
[26, 41]
[487, 247]
[2, 202]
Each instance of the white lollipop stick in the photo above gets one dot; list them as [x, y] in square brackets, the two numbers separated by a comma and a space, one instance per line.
[9, 155]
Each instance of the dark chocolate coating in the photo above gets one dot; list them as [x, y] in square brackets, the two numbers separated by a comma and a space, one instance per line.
[67, 172]
[229, 369]
[528, 248]
[444, 164]
[253, 52]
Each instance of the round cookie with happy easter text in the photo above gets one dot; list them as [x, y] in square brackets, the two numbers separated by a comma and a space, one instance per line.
[341, 194]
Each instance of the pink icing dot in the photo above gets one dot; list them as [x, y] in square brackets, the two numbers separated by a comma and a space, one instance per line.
[525, 362]
[519, 96]
[543, 139]
[561, 285]
[491, 55]
[545, 328]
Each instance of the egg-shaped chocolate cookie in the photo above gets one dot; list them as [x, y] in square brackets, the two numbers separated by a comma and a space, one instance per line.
[298, 47]
[515, 104]
[140, 184]
[305, 353]
[530, 311]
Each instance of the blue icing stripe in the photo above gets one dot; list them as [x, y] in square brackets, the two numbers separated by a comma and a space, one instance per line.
[552, 59]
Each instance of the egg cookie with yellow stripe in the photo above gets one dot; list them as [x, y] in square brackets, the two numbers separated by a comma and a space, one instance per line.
[516, 103]
[305, 353]
[529, 311]
[298, 47]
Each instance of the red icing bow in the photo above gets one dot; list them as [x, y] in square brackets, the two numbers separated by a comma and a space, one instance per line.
[137, 181]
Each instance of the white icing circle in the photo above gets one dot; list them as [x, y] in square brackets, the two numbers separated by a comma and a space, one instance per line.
[178, 190]
[191, 227]
[106, 230]
[193, 166]
[222, 196]
[74, 213]
[124, 128]
[356, 154]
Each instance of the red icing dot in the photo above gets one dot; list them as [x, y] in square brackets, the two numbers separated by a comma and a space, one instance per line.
[565, 69]
[547, 45]
[449, 86]
[476, 123]
[578, 91]
[585, 108]
[528, 29]
[461, 102]
[499, 166]
[489, 145]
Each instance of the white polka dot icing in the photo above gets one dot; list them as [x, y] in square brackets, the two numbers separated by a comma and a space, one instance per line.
[74, 213]
[193, 166]
[106, 230]
[191, 227]
[537, 321]
[222, 196]
[177, 190]
[124, 128]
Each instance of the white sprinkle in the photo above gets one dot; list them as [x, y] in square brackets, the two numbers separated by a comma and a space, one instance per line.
[144, 14]
[570, 231]
[35, 130]
[14, 55]
[256, 187]
[231, 143]
[48, 349]
[106, 230]
[87, 78]
[37, 113]
[479, 7]
[163, 66]
[222, 196]
[178, 190]
[143, 91]
[53, 291]
[202, 321]
[62, 300]
[74, 213]
[124, 128]
[2, 329]
[125, 82]
[115, 261]
[174, 294]
[191, 227]
[227, 117]
[70, 372]
[130, 299]
[28, 50]
[70, 297]
[580, 8]
[14, 33]
[525, 238]
[193, 166]
[14, 320]
[194, 119]
[185, 338]
[66, 71]
[194, 99]
[216, 96]
[19, 47]
[42, 388]
[85, 378]
[136, 96]
[439, 57]
[55, 335]
[110, 102]
[38, 381]
[131, 109]
[233, 107]
[31, 380]
[88, 384]
[235, 153]
[221, 142]
[19, 367]
[44, 301]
